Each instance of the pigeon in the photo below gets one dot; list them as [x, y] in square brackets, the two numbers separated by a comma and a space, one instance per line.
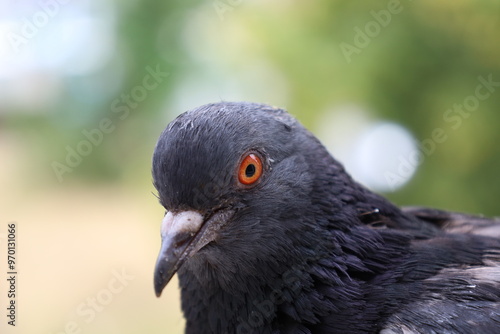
[268, 233]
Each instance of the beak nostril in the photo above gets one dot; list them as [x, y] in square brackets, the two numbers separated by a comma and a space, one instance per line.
[182, 239]
[183, 235]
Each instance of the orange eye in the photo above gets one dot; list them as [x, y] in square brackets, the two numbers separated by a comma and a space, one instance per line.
[250, 170]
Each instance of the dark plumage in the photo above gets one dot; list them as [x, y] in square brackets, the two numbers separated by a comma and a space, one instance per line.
[303, 248]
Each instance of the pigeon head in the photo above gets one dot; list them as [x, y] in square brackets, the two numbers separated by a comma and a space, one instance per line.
[269, 234]
[236, 180]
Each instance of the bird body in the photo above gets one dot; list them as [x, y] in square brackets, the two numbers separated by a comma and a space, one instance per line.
[269, 234]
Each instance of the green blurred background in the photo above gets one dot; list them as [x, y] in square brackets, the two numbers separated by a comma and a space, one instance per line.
[395, 89]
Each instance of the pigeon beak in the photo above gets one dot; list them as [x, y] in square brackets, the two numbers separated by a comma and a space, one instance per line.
[178, 231]
[183, 235]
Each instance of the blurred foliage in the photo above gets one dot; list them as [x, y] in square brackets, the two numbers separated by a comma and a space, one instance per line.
[287, 53]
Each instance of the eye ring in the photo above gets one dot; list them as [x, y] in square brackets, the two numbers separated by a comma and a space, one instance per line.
[250, 169]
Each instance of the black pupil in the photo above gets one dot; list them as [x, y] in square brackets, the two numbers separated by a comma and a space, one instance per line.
[250, 171]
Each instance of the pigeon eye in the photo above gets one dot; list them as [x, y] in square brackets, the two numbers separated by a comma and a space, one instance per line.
[250, 170]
